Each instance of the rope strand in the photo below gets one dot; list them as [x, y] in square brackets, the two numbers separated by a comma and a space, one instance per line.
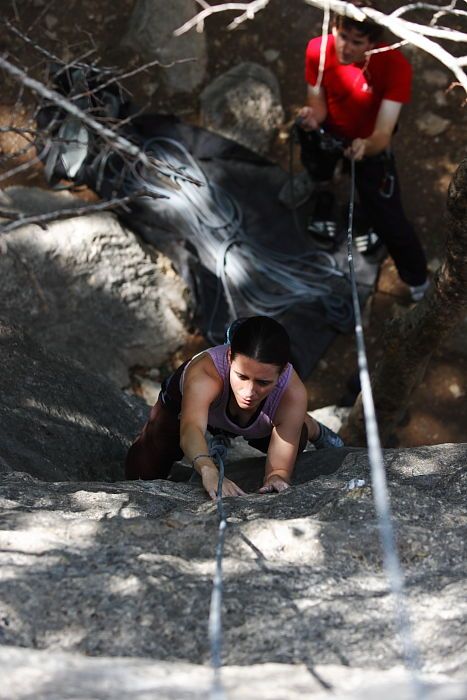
[391, 562]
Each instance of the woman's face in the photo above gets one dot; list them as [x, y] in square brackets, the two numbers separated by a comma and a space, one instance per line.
[251, 381]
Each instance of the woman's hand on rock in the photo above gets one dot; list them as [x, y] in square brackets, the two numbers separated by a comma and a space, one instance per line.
[210, 480]
[274, 484]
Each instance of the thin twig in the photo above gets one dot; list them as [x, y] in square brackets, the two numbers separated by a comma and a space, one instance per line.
[15, 10]
[50, 56]
[17, 130]
[20, 169]
[123, 76]
[44, 10]
[389, 47]
[250, 9]
[75, 62]
[60, 214]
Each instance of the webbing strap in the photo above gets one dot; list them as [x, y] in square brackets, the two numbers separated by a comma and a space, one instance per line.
[391, 560]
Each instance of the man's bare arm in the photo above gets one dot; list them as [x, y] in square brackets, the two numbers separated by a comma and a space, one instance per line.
[380, 139]
[316, 110]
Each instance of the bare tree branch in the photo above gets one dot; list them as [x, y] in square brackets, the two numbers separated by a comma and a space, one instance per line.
[17, 130]
[119, 143]
[139, 69]
[250, 9]
[15, 10]
[20, 169]
[59, 214]
[416, 34]
[401, 28]
[440, 11]
[47, 54]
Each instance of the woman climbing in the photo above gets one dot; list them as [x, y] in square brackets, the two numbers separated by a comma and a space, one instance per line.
[245, 387]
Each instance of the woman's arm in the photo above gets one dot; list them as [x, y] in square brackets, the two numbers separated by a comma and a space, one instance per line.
[201, 386]
[285, 437]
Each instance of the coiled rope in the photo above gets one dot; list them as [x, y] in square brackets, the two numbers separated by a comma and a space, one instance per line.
[255, 280]
[391, 562]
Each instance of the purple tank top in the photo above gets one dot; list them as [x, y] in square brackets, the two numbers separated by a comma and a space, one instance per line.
[217, 416]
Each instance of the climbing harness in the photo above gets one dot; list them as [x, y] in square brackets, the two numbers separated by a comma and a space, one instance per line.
[391, 560]
[218, 451]
[329, 142]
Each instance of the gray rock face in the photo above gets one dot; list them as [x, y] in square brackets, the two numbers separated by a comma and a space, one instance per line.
[59, 421]
[150, 33]
[86, 287]
[244, 105]
[59, 676]
[126, 569]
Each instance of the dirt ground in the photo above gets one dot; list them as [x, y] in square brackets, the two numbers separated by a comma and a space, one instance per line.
[438, 409]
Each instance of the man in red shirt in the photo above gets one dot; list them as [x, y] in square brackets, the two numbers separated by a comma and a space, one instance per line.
[358, 99]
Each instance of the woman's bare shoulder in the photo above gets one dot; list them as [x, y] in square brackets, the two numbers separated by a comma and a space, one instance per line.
[294, 398]
[202, 367]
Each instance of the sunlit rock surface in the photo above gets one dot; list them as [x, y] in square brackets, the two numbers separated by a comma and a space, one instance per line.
[125, 570]
[58, 676]
[88, 288]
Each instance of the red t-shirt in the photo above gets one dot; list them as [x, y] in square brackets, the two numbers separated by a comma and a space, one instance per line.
[354, 92]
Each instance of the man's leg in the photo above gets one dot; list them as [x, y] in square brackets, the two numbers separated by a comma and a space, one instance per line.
[318, 162]
[380, 197]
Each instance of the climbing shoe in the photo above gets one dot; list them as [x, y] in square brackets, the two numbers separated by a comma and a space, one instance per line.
[418, 292]
[325, 233]
[368, 242]
[322, 225]
[327, 438]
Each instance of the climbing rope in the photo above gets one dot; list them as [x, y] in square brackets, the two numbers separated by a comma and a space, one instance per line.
[218, 451]
[391, 560]
[255, 280]
[392, 566]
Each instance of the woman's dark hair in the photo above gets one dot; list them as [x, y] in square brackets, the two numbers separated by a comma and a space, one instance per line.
[262, 339]
[368, 28]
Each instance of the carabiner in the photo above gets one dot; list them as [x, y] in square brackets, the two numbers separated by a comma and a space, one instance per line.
[387, 186]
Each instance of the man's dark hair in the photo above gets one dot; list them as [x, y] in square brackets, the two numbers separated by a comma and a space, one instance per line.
[368, 28]
[262, 339]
